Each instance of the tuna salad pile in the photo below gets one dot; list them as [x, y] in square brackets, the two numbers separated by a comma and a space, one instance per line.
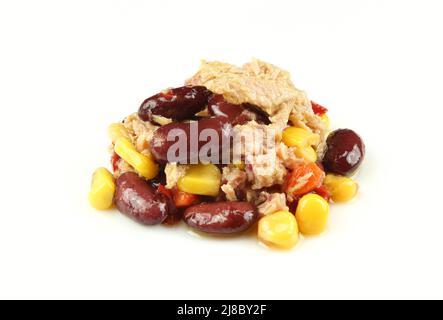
[235, 149]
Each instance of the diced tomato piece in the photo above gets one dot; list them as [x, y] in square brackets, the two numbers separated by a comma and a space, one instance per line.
[184, 199]
[162, 189]
[304, 178]
[318, 109]
[323, 192]
[168, 95]
[114, 161]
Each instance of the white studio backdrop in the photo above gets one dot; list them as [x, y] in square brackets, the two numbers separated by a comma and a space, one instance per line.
[70, 68]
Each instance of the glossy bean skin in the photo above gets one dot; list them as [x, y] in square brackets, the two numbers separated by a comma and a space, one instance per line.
[221, 217]
[159, 180]
[259, 115]
[236, 114]
[137, 199]
[345, 152]
[177, 104]
[185, 132]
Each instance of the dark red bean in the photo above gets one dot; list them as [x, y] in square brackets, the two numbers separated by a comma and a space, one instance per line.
[160, 179]
[345, 152]
[219, 107]
[259, 114]
[190, 133]
[221, 217]
[139, 200]
[177, 104]
[174, 214]
[236, 114]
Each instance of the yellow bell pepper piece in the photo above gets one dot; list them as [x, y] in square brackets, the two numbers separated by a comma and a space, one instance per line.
[342, 189]
[117, 131]
[201, 179]
[101, 196]
[312, 214]
[279, 229]
[143, 164]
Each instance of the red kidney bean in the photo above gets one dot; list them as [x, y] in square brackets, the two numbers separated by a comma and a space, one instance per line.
[259, 114]
[185, 132]
[139, 200]
[221, 217]
[236, 114]
[219, 107]
[344, 153]
[160, 179]
[177, 104]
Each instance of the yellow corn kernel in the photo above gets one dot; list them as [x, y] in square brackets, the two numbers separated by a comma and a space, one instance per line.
[117, 131]
[240, 166]
[342, 189]
[201, 179]
[325, 120]
[300, 138]
[312, 214]
[309, 154]
[279, 229]
[101, 196]
[143, 164]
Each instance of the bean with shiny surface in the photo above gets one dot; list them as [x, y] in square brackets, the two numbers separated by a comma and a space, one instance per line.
[235, 114]
[139, 200]
[221, 217]
[177, 104]
[160, 146]
[344, 153]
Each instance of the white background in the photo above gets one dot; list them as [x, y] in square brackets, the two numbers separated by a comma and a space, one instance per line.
[69, 68]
